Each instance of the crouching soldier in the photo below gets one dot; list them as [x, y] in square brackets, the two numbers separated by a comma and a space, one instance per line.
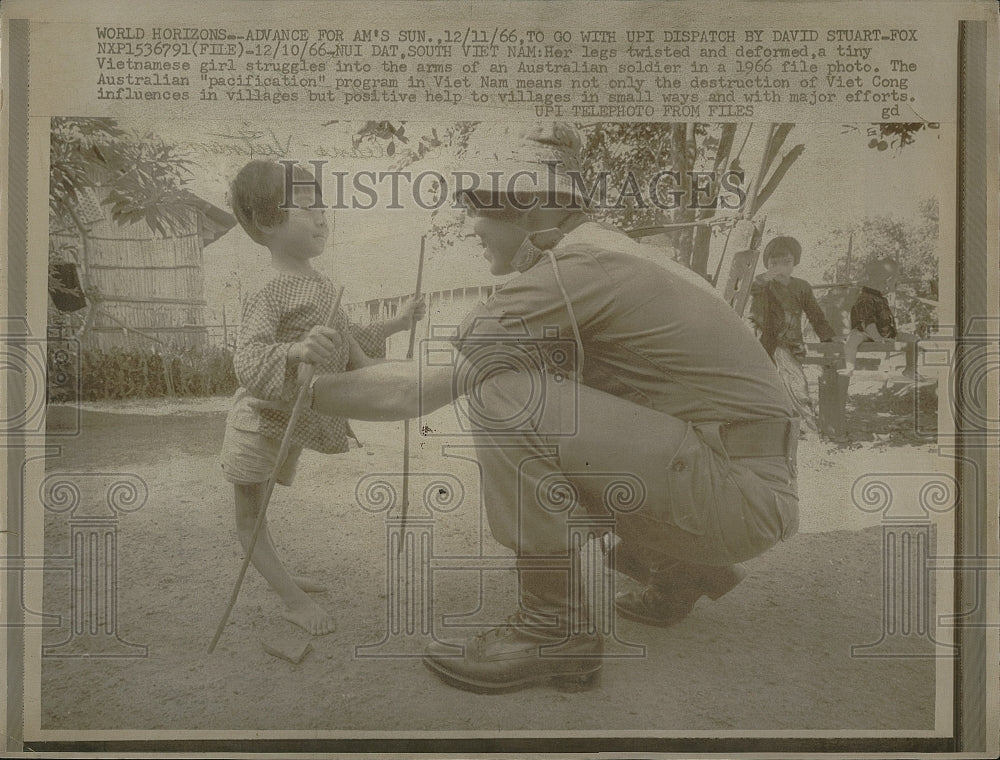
[663, 384]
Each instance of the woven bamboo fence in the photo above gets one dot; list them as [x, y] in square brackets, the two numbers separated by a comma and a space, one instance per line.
[149, 289]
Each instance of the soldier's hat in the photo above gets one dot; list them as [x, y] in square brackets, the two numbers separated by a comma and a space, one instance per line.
[537, 159]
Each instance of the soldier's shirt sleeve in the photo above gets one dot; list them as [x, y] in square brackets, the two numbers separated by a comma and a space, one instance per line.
[530, 313]
[260, 361]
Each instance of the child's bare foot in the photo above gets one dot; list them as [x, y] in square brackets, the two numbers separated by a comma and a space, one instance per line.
[846, 371]
[312, 618]
[309, 585]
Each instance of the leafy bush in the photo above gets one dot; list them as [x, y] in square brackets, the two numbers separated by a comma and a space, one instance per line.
[133, 374]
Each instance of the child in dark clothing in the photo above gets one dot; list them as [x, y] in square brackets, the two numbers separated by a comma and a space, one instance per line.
[776, 309]
[872, 318]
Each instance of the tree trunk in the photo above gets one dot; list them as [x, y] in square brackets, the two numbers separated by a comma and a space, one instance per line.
[700, 249]
[777, 175]
[83, 267]
[702, 234]
[682, 238]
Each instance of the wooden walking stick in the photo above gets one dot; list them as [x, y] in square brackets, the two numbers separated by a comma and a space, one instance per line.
[405, 503]
[286, 442]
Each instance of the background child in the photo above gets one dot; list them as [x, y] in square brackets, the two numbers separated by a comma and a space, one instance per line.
[284, 326]
[872, 318]
[778, 303]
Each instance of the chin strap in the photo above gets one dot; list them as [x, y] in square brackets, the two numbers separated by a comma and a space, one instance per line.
[572, 315]
[537, 244]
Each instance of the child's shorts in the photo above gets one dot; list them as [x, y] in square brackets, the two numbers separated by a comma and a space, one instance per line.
[248, 458]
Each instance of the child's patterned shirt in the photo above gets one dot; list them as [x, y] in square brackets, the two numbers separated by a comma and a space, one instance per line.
[279, 314]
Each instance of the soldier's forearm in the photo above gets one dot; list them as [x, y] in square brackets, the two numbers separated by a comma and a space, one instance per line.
[387, 391]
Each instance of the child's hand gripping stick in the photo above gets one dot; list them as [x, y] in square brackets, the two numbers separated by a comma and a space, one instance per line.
[318, 346]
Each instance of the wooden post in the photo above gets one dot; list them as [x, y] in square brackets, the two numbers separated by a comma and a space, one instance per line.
[833, 387]
[832, 401]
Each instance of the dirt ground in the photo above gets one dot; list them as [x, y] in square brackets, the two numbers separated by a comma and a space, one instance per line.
[773, 655]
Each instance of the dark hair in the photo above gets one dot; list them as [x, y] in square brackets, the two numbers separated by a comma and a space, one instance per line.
[257, 195]
[783, 246]
[878, 267]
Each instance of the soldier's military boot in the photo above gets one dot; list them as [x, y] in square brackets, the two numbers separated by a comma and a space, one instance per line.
[542, 644]
[673, 590]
